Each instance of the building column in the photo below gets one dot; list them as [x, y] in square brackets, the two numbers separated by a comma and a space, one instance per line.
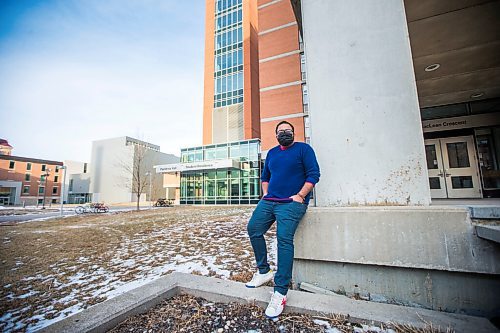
[365, 119]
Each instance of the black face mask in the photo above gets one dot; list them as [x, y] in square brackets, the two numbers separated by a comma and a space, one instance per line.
[285, 139]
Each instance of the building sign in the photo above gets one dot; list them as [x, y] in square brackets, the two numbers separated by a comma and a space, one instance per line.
[447, 124]
[202, 165]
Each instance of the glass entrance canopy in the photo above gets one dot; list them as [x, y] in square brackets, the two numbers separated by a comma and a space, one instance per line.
[227, 185]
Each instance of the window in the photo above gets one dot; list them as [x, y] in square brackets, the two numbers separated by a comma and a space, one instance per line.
[70, 185]
[444, 111]
[56, 178]
[43, 167]
[84, 167]
[28, 166]
[41, 190]
[42, 178]
[40, 201]
[26, 189]
[12, 164]
[57, 169]
[27, 177]
[54, 200]
[54, 190]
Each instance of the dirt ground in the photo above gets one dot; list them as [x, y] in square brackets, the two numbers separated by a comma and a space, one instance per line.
[186, 313]
[50, 269]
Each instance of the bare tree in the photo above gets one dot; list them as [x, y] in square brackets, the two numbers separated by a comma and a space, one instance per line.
[136, 172]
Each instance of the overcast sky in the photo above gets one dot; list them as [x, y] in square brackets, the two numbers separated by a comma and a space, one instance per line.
[74, 71]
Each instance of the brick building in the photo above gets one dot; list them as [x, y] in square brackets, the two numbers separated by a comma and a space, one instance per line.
[283, 89]
[253, 73]
[29, 181]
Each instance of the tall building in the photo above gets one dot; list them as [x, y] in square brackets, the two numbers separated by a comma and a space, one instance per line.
[253, 72]
[283, 89]
[226, 169]
[231, 95]
[242, 103]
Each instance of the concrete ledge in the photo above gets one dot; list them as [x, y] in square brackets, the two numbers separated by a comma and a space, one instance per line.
[491, 233]
[438, 238]
[108, 314]
[484, 212]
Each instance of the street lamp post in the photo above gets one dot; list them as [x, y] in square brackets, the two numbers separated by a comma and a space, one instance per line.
[149, 174]
[46, 175]
[63, 167]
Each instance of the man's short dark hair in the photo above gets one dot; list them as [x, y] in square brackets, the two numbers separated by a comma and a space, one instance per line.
[281, 123]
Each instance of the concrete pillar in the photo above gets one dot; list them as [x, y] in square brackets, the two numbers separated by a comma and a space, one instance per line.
[365, 119]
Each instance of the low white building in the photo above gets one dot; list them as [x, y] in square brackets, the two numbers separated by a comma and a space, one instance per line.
[77, 182]
[116, 162]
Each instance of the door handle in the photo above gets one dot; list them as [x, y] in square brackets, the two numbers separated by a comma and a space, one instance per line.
[440, 174]
[446, 174]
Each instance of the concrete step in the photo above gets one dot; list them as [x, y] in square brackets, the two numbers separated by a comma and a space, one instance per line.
[484, 212]
[488, 232]
[106, 315]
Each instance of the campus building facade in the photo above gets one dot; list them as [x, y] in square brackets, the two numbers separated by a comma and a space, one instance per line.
[29, 181]
[253, 80]
[422, 89]
[231, 89]
[117, 163]
[218, 174]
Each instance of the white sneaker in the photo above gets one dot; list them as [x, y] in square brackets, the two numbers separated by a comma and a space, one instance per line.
[259, 279]
[276, 305]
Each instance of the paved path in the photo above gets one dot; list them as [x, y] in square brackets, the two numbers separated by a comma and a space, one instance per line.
[51, 213]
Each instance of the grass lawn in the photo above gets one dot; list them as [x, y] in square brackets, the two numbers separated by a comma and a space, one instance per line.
[53, 268]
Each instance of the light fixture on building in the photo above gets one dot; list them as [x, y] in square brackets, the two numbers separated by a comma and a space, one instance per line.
[477, 95]
[432, 67]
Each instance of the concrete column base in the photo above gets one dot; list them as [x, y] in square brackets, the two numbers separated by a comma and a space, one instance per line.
[426, 257]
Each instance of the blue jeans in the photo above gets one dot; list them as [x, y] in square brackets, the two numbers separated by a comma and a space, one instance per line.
[288, 216]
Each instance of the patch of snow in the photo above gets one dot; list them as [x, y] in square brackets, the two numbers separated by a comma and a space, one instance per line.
[28, 294]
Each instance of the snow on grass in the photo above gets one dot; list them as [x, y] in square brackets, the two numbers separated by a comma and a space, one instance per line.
[85, 260]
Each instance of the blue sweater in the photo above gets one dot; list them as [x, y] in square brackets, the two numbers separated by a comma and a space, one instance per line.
[287, 170]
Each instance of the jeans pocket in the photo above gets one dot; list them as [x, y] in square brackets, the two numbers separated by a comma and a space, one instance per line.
[298, 209]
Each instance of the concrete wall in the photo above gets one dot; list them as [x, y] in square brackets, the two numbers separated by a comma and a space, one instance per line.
[424, 256]
[468, 293]
[111, 163]
[81, 182]
[365, 118]
[109, 179]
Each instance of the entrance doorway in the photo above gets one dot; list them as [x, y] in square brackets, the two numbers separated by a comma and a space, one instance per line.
[452, 166]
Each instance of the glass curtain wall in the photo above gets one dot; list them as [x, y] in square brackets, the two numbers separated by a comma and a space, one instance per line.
[228, 54]
[226, 186]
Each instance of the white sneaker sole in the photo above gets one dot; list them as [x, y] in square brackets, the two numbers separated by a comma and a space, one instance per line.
[270, 279]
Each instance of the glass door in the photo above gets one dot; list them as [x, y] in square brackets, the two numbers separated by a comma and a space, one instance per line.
[452, 168]
[460, 167]
[435, 169]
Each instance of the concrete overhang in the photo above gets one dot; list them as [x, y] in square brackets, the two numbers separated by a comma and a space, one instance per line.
[463, 37]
